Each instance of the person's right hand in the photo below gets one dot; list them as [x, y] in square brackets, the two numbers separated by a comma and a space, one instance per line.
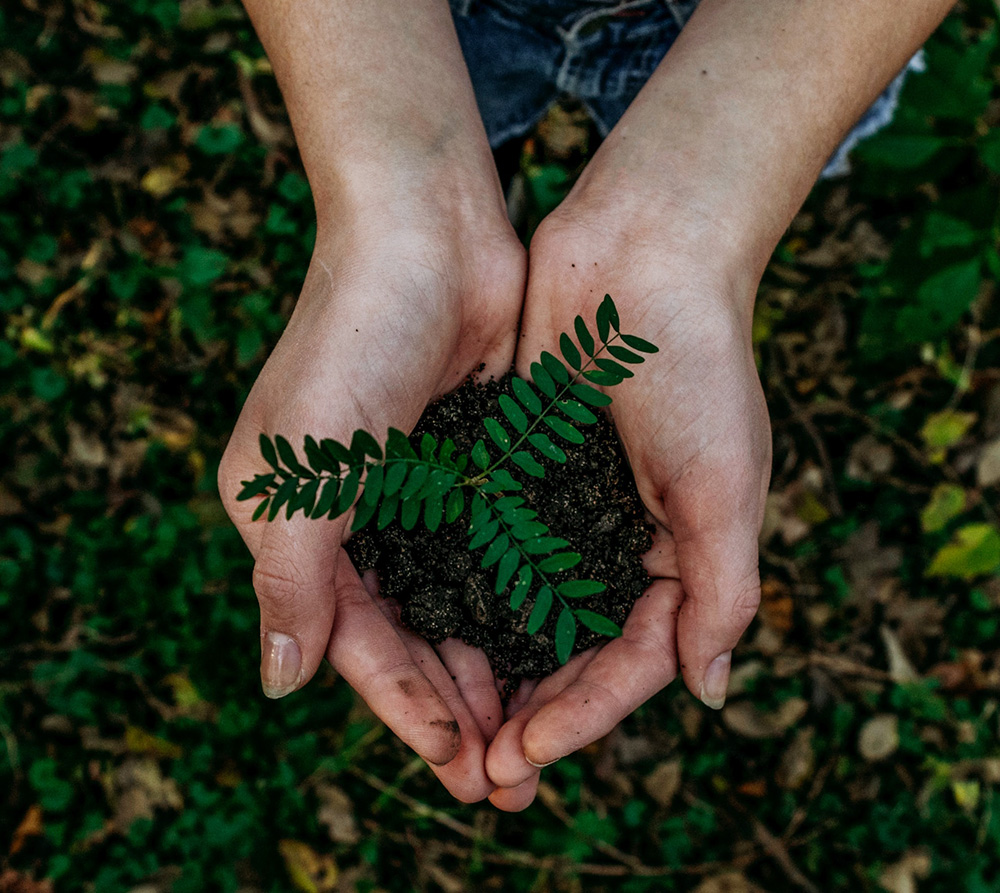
[393, 313]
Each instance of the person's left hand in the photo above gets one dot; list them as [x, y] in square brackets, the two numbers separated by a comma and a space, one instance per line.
[695, 429]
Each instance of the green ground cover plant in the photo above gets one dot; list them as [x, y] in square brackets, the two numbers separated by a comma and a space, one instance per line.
[154, 227]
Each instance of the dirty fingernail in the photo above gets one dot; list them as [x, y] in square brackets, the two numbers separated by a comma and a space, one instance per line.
[280, 665]
[716, 681]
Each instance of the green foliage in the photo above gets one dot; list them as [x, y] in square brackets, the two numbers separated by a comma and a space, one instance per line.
[434, 484]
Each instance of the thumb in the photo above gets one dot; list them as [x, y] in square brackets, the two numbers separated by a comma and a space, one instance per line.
[716, 537]
[293, 577]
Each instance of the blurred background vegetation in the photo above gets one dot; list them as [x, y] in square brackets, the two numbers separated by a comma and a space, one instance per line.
[154, 230]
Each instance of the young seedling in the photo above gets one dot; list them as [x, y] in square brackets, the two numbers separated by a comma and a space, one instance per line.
[433, 484]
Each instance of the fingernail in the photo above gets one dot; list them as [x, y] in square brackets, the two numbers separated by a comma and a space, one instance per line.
[543, 765]
[716, 681]
[280, 665]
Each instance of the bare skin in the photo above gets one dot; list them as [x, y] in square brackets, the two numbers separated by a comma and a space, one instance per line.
[675, 216]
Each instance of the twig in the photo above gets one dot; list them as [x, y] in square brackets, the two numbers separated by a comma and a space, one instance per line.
[629, 865]
[804, 419]
[843, 666]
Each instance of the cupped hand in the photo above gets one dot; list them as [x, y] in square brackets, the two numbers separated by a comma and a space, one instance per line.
[694, 426]
[386, 321]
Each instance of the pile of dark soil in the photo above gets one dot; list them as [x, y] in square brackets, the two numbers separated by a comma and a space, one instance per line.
[591, 501]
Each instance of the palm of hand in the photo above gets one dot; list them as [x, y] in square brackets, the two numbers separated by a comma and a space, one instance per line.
[368, 346]
[694, 426]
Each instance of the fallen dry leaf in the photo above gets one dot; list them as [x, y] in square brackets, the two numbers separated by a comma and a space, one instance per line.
[730, 882]
[988, 466]
[798, 761]
[879, 737]
[336, 814]
[746, 719]
[136, 788]
[31, 826]
[309, 871]
[14, 882]
[902, 876]
[663, 782]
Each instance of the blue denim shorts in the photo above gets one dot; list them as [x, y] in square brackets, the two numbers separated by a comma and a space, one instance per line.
[524, 54]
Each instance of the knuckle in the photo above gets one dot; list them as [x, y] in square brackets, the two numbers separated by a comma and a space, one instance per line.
[282, 586]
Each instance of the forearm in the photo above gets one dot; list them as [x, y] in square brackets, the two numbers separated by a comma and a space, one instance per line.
[730, 133]
[380, 101]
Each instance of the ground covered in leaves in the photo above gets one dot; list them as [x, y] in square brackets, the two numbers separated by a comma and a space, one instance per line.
[154, 229]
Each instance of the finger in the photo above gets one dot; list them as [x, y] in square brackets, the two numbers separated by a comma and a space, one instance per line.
[520, 697]
[717, 554]
[366, 650]
[471, 671]
[623, 674]
[516, 799]
[294, 578]
[464, 775]
[506, 765]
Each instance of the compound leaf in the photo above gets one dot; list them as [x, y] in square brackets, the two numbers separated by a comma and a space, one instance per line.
[258, 485]
[409, 514]
[543, 381]
[416, 480]
[398, 446]
[484, 534]
[267, 451]
[564, 429]
[347, 493]
[542, 545]
[614, 368]
[387, 511]
[427, 447]
[580, 588]
[496, 550]
[637, 343]
[261, 508]
[543, 604]
[318, 460]
[506, 480]
[525, 395]
[546, 447]
[583, 336]
[521, 587]
[305, 499]
[497, 434]
[586, 394]
[569, 351]
[454, 506]
[287, 455]
[526, 462]
[395, 474]
[363, 514]
[281, 496]
[480, 456]
[562, 561]
[605, 379]
[565, 634]
[577, 411]
[505, 570]
[338, 452]
[373, 484]
[528, 530]
[624, 354]
[331, 489]
[555, 368]
[598, 623]
[362, 444]
[515, 415]
[433, 512]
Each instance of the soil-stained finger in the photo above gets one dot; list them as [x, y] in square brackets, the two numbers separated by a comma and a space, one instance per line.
[366, 650]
